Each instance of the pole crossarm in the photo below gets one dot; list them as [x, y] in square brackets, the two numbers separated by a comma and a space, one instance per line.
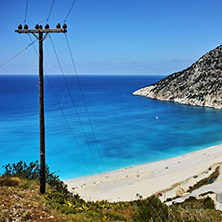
[41, 30]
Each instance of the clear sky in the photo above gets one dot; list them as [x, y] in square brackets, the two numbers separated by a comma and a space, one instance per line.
[140, 37]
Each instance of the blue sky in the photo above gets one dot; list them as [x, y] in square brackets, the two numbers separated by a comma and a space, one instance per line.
[143, 37]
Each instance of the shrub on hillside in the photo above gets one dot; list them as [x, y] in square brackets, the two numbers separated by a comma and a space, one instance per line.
[32, 172]
[151, 209]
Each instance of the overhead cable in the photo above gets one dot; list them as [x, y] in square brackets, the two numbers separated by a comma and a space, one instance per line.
[70, 10]
[17, 54]
[60, 106]
[84, 101]
[73, 103]
[50, 11]
[26, 11]
[67, 122]
[77, 117]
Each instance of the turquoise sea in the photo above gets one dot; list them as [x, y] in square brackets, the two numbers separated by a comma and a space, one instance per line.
[107, 129]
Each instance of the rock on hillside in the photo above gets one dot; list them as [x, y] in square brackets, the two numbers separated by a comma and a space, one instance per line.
[198, 85]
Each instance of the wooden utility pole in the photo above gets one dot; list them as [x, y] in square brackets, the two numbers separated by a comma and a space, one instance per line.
[40, 31]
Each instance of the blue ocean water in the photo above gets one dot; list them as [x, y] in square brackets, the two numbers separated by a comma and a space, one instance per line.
[108, 129]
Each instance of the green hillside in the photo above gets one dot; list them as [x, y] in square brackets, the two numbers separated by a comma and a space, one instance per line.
[20, 200]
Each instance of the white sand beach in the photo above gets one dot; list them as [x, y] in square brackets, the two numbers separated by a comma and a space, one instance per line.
[167, 177]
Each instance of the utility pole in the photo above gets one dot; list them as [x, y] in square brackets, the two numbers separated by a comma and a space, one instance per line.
[40, 31]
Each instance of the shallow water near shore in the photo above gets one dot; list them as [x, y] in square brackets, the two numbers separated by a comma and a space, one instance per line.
[109, 129]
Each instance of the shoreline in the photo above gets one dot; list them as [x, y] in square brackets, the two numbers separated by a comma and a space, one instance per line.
[165, 176]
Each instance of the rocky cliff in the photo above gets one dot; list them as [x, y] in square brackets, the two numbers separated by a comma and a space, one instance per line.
[198, 85]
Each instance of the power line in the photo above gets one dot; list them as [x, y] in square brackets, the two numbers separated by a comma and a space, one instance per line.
[76, 112]
[76, 115]
[33, 45]
[50, 11]
[40, 40]
[73, 103]
[26, 11]
[70, 10]
[60, 106]
[17, 54]
[67, 122]
[84, 101]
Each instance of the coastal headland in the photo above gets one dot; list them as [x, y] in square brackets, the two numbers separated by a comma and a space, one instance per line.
[168, 178]
[198, 85]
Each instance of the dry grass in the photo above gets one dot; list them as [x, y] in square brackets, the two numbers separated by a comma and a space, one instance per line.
[21, 202]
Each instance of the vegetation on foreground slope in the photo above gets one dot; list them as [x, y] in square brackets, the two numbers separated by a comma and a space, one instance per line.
[20, 200]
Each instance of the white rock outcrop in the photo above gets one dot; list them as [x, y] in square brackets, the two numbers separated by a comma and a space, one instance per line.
[198, 85]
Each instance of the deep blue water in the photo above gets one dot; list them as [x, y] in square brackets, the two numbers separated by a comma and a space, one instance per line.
[109, 129]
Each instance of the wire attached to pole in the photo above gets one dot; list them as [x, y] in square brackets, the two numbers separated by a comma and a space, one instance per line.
[50, 11]
[70, 10]
[17, 54]
[90, 149]
[63, 113]
[84, 101]
[74, 104]
[26, 11]
[87, 112]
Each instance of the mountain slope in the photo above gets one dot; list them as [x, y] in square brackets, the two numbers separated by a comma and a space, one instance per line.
[198, 85]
